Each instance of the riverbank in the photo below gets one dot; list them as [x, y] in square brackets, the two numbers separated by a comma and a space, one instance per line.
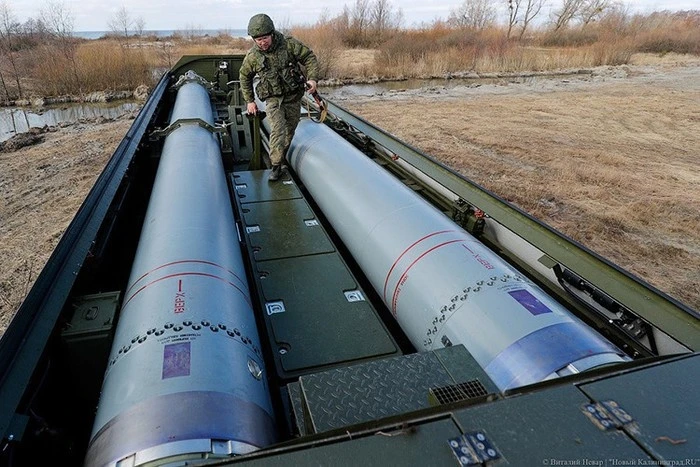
[41, 188]
[609, 158]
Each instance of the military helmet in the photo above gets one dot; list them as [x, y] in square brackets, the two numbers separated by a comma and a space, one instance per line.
[260, 25]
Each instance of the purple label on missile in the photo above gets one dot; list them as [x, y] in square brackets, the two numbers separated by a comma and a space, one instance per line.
[529, 301]
[176, 360]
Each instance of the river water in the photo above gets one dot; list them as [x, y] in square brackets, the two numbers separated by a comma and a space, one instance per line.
[348, 91]
[19, 120]
[352, 91]
[16, 120]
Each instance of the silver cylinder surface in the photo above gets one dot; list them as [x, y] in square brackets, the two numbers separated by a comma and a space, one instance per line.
[442, 285]
[185, 374]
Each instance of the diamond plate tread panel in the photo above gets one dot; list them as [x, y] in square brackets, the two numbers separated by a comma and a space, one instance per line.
[297, 406]
[372, 390]
[252, 187]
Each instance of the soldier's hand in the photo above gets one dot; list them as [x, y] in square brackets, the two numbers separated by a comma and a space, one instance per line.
[311, 86]
[252, 108]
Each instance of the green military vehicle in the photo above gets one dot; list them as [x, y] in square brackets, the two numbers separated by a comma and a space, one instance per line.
[372, 307]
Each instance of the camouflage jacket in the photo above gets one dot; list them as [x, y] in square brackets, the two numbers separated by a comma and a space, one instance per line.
[278, 69]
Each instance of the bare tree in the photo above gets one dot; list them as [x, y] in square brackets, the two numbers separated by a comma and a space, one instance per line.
[120, 24]
[398, 18]
[165, 51]
[58, 20]
[342, 23]
[192, 31]
[532, 9]
[9, 30]
[592, 10]
[380, 13]
[35, 31]
[4, 88]
[139, 26]
[513, 10]
[360, 20]
[568, 10]
[617, 17]
[383, 18]
[327, 41]
[474, 14]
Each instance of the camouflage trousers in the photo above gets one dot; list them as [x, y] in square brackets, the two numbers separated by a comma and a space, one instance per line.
[283, 115]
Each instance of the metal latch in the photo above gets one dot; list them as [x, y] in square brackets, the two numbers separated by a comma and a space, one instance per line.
[470, 218]
[161, 133]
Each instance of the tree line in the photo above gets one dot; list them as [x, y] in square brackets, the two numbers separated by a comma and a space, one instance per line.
[49, 37]
[366, 23]
[43, 52]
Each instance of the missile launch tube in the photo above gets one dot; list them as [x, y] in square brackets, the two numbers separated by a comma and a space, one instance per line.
[185, 375]
[442, 285]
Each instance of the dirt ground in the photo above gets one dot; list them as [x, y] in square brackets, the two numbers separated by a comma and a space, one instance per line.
[609, 156]
[41, 188]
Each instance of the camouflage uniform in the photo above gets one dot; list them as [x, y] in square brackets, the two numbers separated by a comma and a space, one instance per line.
[280, 85]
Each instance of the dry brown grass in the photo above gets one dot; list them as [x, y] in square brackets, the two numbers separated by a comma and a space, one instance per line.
[356, 62]
[434, 51]
[106, 64]
[203, 49]
[41, 188]
[417, 57]
[614, 166]
[326, 45]
[94, 66]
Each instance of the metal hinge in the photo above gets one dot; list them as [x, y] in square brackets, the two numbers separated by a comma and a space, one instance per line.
[473, 448]
[607, 415]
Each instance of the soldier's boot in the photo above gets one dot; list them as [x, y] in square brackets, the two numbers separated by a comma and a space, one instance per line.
[275, 173]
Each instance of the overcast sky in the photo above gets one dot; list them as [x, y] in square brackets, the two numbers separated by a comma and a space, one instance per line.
[93, 15]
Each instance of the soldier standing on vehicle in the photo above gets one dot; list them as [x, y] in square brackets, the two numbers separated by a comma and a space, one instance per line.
[276, 60]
